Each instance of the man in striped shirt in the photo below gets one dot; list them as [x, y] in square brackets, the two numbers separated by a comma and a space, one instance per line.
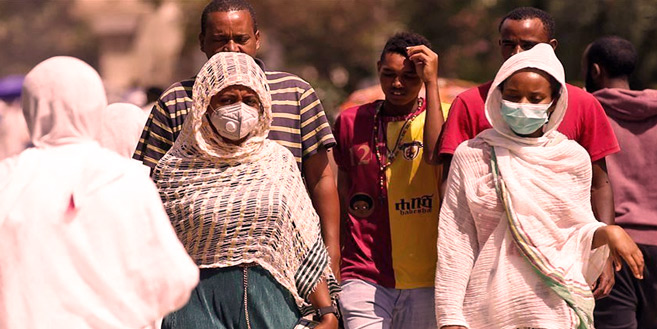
[298, 123]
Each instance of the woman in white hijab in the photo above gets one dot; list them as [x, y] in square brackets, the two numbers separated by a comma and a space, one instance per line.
[84, 239]
[518, 243]
[122, 127]
[239, 205]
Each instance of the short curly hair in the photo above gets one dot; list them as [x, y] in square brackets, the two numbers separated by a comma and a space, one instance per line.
[617, 55]
[226, 6]
[522, 13]
[397, 43]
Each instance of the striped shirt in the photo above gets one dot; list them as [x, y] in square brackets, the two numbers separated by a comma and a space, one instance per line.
[299, 122]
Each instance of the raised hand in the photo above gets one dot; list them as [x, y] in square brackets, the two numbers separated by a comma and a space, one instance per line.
[426, 62]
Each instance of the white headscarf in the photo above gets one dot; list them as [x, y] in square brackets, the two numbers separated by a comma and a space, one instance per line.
[122, 127]
[85, 242]
[63, 98]
[548, 180]
[540, 57]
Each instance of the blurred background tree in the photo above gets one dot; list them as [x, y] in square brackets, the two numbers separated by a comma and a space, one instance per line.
[334, 44]
[33, 30]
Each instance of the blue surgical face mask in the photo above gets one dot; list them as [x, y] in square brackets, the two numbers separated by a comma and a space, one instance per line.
[525, 118]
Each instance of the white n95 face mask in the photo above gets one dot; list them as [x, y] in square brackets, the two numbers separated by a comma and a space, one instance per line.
[234, 121]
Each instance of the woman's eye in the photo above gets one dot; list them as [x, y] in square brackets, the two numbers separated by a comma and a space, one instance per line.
[537, 100]
[252, 102]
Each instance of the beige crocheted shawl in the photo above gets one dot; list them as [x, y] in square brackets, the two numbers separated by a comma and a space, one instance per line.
[234, 205]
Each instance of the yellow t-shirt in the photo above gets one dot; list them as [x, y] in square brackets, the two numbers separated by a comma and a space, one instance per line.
[413, 206]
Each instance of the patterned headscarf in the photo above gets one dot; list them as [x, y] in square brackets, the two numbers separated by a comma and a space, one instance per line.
[197, 139]
[239, 204]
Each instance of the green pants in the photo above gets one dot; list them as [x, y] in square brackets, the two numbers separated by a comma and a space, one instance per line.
[218, 302]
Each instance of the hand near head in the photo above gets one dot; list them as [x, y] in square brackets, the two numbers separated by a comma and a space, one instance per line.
[426, 62]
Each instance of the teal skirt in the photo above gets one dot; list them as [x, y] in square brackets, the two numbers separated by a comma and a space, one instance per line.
[218, 302]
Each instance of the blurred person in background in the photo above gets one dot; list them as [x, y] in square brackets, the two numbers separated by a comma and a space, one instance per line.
[14, 137]
[238, 203]
[299, 122]
[122, 126]
[609, 63]
[389, 195]
[585, 121]
[152, 95]
[84, 239]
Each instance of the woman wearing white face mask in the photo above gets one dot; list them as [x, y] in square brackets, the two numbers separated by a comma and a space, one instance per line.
[238, 204]
[518, 243]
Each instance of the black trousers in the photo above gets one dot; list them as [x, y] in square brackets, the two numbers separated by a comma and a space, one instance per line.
[632, 303]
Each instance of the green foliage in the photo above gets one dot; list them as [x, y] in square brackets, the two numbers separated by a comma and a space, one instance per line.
[320, 40]
[33, 30]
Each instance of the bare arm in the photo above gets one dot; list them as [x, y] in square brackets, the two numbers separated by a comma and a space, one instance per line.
[621, 246]
[602, 202]
[321, 298]
[426, 66]
[446, 161]
[602, 198]
[321, 187]
[344, 182]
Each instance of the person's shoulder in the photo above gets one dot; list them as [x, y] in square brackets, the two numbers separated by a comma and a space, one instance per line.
[282, 153]
[477, 93]
[9, 165]
[578, 94]
[364, 110]
[577, 153]
[471, 149]
[187, 83]
[280, 80]
[472, 145]
[173, 91]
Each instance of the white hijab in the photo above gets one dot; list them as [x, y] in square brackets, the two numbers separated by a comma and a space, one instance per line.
[548, 180]
[540, 57]
[122, 126]
[84, 239]
[63, 99]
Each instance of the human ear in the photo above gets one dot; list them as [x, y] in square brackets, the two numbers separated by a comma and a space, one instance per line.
[554, 43]
[257, 37]
[201, 37]
[596, 71]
